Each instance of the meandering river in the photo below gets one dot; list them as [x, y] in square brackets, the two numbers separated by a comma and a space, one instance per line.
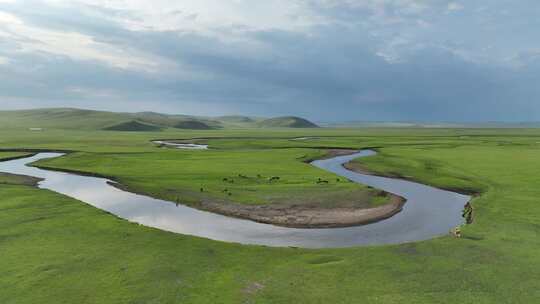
[428, 213]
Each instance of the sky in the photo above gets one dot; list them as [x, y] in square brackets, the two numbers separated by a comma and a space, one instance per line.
[326, 60]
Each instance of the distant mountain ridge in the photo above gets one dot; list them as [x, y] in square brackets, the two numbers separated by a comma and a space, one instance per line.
[287, 122]
[72, 118]
[133, 125]
[413, 124]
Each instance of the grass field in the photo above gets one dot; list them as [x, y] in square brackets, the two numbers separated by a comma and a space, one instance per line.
[58, 250]
[239, 176]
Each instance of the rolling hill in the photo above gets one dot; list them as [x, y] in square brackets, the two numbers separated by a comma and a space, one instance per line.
[192, 125]
[133, 125]
[80, 119]
[287, 122]
[237, 119]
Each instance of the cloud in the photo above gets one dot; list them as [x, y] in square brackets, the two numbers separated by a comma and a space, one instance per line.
[454, 6]
[328, 60]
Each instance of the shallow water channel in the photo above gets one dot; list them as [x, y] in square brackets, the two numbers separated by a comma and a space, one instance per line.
[188, 146]
[428, 212]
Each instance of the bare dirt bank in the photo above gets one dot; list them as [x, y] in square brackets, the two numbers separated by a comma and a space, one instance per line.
[308, 217]
[296, 216]
[17, 179]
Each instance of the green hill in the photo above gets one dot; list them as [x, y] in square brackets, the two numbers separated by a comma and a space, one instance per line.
[193, 125]
[178, 121]
[68, 118]
[61, 118]
[132, 125]
[238, 121]
[287, 122]
[80, 119]
[235, 119]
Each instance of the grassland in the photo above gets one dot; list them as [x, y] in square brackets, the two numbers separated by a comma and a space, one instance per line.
[57, 250]
[240, 176]
[267, 185]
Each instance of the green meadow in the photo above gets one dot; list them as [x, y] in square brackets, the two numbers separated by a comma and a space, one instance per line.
[54, 249]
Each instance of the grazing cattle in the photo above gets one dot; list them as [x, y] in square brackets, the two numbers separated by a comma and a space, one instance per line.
[321, 181]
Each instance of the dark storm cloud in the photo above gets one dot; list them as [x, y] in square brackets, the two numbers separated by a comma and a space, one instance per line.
[335, 70]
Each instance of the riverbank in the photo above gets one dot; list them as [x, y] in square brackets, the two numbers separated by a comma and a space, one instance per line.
[295, 216]
[17, 179]
[385, 168]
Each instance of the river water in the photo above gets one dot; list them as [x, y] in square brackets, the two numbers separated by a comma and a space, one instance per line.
[428, 212]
